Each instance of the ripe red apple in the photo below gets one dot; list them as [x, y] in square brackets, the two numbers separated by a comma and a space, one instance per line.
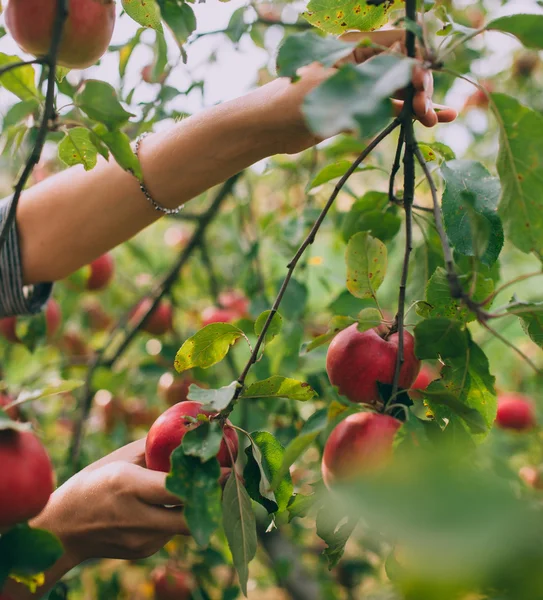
[26, 477]
[86, 35]
[235, 301]
[160, 320]
[102, 271]
[214, 314]
[175, 390]
[13, 412]
[171, 584]
[515, 411]
[357, 361]
[170, 428]
[358, 445]
[97, 317]
[425, 377]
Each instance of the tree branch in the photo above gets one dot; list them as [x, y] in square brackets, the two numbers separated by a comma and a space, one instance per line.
[49, 115]
[160, 290]
[306, 243]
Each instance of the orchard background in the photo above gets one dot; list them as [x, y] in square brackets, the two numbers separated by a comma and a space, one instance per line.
[456, 513]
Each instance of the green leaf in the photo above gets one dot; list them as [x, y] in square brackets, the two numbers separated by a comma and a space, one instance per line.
[466, 390]
[526, 28]
[99, 101]
[357, 98]
[372, 213]
[264, 460]
[119, 145]
[334, 171]
[334, 528]
[295, 299]
[280, 387]
[20, 112]
[305, 48]
[68, 385]
[519, 161]
[336, 325]
[237, 26]
[20, 81]
[196, 483]
[438, 296]
[442, 151]
[309, 432]
[366, 259]
[213, 400]
[144, 12]
[240, 527]
[207, 347]
[203, 441]
[77, 149]
[180, 19]
[471, 196]
[335, 16]
[275, 326]
[531, 319]
[300, 505]
[368, 319]
[26, 552]
[440, 338]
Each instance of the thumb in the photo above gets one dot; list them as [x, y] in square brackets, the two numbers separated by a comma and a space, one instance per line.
[150, 487]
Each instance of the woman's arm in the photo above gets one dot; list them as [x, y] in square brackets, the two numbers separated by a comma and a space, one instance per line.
[70, 219]
[112, 509]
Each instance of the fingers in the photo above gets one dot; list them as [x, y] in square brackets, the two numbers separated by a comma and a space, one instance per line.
[150, 487]
[131, 453]
[168, 520]
[437, 114]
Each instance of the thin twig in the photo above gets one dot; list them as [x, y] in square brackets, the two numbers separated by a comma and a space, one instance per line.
[306, 243]
[513, 347]
[510, 283]
[408, 193]
[396, 167]
[22, 63]
[49, 116]
[160, 290]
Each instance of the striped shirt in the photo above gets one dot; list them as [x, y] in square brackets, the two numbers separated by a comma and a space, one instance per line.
[16, 298]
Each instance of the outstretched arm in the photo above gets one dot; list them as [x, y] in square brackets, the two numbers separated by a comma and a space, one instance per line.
[68, 220]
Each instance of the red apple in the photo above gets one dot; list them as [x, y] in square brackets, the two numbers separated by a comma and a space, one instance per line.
[214, 314]
[102, 271]
[98, 319]
[425, 377]
[160, 320]
[148, 77]
[357, 361]
[13, 412]
[8, 329]
[74, 345]
[170, 428]
[358, 445]
[86, 35]
[172, 584]
[175, 390]
[515, 411]
[235, 301]
[53, 317]
[138, 414]
[26, 477]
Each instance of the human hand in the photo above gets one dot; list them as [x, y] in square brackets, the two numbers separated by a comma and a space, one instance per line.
[284, 99]
[115, 508]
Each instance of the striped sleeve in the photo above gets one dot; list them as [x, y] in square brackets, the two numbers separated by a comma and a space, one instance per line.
[16, 298]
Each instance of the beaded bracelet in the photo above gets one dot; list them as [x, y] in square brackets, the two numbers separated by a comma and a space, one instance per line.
[154, 203]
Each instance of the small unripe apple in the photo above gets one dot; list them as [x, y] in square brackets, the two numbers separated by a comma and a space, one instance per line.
[214, 314]
[235, 301]
[26, 477]
[86, 34]
[168, 431]
[357, 361]
[161, 319]
[515, 411]
[532, 476]
[101, 272]
[172, 584]
[360, 444]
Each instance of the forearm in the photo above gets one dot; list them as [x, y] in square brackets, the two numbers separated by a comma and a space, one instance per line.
[71, 218]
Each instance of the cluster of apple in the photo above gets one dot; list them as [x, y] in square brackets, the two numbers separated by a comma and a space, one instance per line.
[356, 363]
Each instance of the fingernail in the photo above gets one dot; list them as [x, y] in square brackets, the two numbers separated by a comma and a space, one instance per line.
[429, 105]
[427, 80]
